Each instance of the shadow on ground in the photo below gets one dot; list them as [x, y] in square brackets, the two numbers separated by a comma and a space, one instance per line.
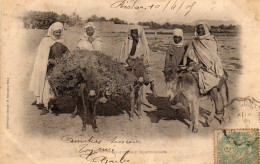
[164, 110]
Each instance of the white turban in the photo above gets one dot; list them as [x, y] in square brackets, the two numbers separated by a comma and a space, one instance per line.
[54, 27]
[178, 32]
[89, 24]
[206, 28]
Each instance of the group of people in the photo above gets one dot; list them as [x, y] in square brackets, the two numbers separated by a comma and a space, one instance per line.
[201, 53]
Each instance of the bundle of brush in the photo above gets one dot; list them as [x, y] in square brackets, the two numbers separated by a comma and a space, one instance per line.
[76, 67]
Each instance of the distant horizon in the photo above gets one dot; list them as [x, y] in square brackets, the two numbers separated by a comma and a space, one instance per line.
[211, 22]
[190, 12]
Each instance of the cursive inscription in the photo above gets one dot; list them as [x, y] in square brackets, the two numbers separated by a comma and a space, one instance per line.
[71, 139]
[102, 155]
[115, 140]
[92, 149]
[177, 6]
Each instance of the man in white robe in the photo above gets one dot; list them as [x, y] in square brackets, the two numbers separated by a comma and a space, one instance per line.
[90, 41]
[136, 47]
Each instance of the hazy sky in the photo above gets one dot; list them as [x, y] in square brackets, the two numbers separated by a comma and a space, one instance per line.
[159, 11]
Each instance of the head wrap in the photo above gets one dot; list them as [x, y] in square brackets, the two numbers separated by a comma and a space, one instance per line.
[135, 28]
[178, 32]
[206, 28]
[96, 34]
[54, 27]
[142, 40]
[89, 24]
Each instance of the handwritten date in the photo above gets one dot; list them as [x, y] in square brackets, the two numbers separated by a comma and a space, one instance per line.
[177, 6]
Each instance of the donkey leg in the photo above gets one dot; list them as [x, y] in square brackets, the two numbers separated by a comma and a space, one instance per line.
[194, 117]
[217, 100]
[84, 119]
[212, 113]
[84, 122]
[193, 98]
[94, 125]
[132, 102]
[139, 106]
[92, 112]
[192, 109]
[75, 111]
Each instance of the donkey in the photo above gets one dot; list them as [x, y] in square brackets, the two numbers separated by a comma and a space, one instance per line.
[137, 67]
[187, 84]
[88, 97]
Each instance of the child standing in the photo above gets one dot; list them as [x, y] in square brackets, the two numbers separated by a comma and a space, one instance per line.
[174, 56]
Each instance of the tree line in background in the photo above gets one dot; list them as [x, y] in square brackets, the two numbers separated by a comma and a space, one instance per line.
[189, 28]
[42, 20]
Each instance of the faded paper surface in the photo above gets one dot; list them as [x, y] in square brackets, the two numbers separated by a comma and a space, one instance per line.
[27, 137]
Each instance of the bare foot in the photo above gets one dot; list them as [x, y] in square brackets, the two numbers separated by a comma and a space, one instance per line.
[96, 130]
[194, 129]
[208, 122]
[83, 128]
[44, 111]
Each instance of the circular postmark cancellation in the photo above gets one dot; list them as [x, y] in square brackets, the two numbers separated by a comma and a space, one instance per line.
[238, 146]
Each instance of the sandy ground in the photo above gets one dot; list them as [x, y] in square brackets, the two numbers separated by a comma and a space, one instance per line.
[40, 136]
[52, 125]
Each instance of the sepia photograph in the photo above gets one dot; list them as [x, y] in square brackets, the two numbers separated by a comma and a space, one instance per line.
[130, 81]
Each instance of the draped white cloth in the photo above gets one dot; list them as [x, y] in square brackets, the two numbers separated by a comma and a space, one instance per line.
[85, 44]
[142, 49]
[39, 84]
[204, 49]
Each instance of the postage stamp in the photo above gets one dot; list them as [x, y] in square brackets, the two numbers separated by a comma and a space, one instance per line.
[236, 146]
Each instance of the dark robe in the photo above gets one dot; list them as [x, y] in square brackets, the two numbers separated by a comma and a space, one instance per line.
[57, 50]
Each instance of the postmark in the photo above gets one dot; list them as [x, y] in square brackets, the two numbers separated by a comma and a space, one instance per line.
[238, 146]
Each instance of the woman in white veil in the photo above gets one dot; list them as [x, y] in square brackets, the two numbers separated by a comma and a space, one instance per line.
[39, 84]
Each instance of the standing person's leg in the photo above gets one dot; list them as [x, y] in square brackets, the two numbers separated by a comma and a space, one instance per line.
[148, 80]
[217, 100]
[47, 95]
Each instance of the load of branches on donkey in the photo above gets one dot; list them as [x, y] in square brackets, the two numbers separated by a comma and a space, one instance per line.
[93, 84]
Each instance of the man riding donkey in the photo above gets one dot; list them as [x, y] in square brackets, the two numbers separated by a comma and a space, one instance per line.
[206, 71]
[136, 53]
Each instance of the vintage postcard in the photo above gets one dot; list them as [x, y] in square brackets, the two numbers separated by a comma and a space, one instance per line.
[130, 81]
